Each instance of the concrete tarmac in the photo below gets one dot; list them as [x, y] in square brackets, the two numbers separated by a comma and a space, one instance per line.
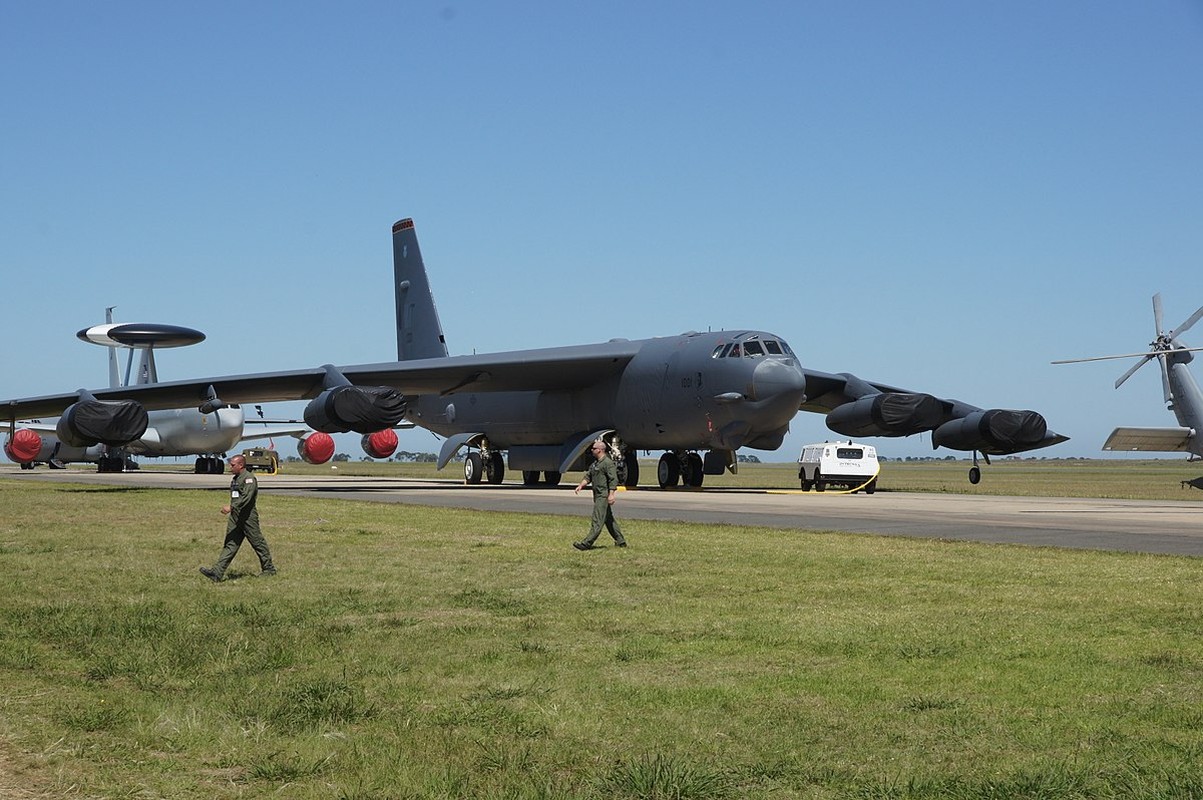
[1146, 526]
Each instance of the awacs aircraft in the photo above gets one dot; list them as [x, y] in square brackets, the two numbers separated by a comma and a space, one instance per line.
[206, 433]
[1178, 386]
[698, 397]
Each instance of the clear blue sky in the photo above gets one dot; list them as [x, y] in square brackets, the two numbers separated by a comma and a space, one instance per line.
[944, 196]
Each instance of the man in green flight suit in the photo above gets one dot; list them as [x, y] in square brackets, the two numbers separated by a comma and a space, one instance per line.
[243, 523]
[604, 477]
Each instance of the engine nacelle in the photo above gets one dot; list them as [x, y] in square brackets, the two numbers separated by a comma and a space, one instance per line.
[23, 446]
[887, 414]
[363, 409]
[380, 444]
[316, 448]
[111, 422]
[997, 431]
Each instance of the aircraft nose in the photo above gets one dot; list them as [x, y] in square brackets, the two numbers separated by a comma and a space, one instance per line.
[773, 378]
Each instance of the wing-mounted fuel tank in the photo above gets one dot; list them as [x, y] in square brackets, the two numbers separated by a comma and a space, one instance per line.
[344, 407]
[90, 421]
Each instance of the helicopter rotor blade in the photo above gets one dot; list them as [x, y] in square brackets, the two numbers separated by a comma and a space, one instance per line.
[1157, 316]
[1147, 358]
[1195, 317]
[1126, 355]
[1165, 379]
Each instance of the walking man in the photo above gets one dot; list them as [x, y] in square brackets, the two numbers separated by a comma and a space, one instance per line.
[243, 523]
[604, 477]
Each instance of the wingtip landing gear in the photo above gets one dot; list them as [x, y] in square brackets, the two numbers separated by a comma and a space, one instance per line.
[975, 472]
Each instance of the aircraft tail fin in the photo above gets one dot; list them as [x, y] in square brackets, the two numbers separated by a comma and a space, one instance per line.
[419, 334]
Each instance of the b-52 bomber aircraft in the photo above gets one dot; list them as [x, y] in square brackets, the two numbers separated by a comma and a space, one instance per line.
[1181, 392]
[698, 397]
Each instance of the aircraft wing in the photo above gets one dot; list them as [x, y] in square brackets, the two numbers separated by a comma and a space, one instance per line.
[826, 391]
[37, 427]
[1157, 440]
[856, 407]
[558, 368]
[252, 430]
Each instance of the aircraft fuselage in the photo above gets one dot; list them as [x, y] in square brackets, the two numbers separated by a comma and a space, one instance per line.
[676, 393]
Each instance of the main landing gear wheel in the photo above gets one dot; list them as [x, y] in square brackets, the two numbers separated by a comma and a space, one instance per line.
[552, 478]
[692, 474]
[209, 465]
[668, 471]
[630, 464]
[495, 468]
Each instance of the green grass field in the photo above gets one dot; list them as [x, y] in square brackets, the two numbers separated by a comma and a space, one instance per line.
[406, 652]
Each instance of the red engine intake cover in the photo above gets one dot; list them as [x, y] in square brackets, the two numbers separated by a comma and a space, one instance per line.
[23, 446]
[380, 444]
[316, 448]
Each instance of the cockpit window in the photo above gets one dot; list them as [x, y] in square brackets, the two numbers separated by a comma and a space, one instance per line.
[735, 351]
[753, 349]
[721, 350]
[773, 348]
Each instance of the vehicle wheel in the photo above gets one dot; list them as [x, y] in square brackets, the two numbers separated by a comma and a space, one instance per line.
[200, 467]
[820, 484]
[668, 472]
[530, 477]
[473, 468]
[975, 475]
[693, 470]
[495, 468]
[552, 478]
[872, 487]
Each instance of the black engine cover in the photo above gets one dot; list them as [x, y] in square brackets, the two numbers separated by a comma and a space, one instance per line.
[997, 431]
[363, 409]
[887, 414]
[111, 422]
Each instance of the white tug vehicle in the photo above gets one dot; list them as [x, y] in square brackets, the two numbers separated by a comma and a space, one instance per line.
[848, 464]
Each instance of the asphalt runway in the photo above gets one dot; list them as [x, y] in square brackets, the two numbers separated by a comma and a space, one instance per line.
[1145, 526]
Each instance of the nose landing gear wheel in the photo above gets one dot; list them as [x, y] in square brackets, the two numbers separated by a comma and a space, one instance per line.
[473, 468]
